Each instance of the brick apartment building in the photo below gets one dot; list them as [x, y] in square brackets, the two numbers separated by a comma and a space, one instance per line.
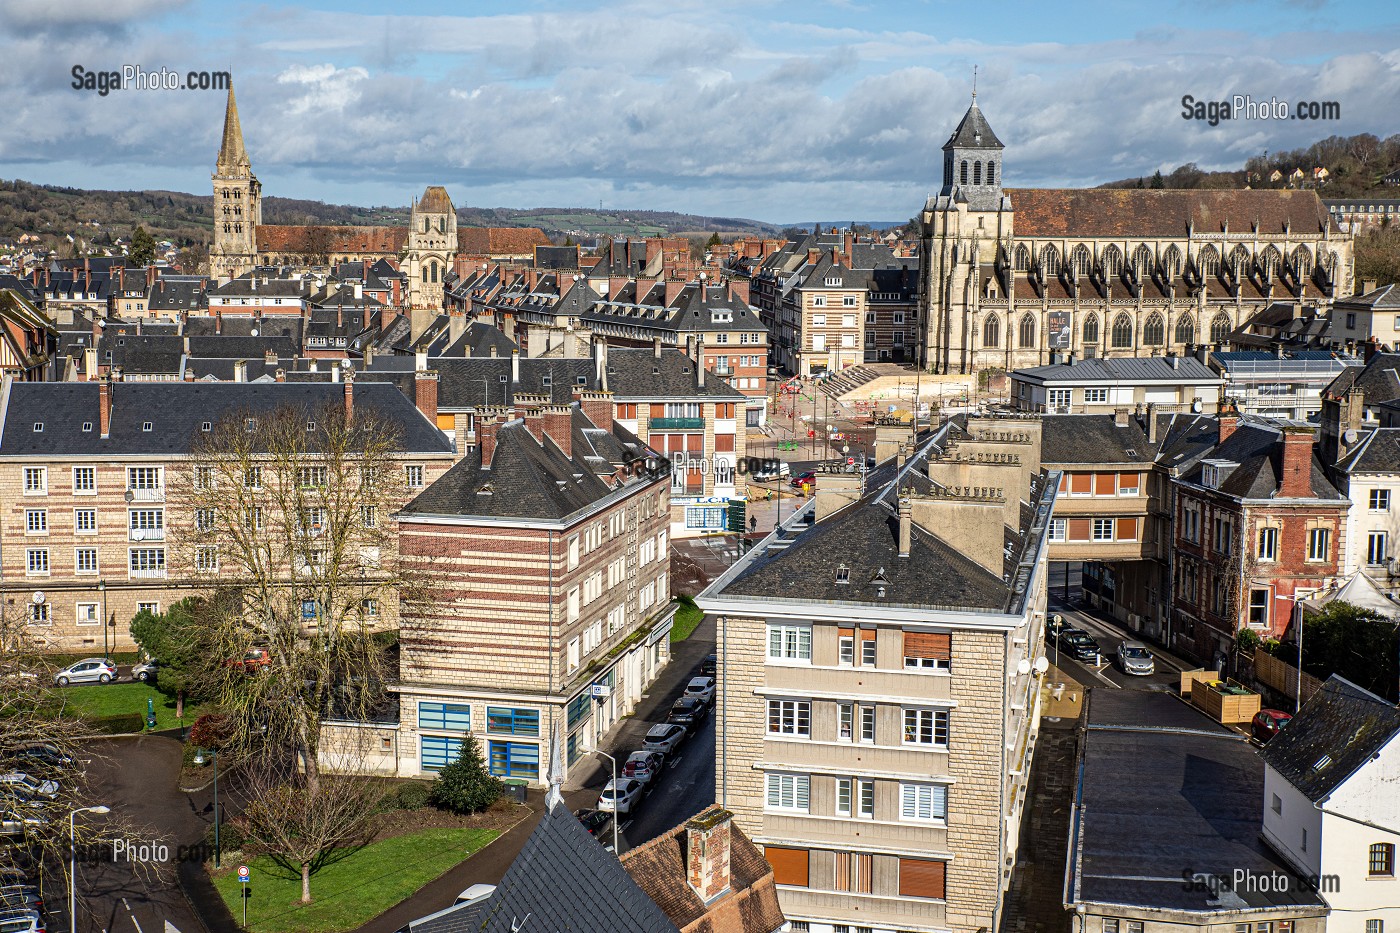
[547, 553]
[878, 699]
[85, 472]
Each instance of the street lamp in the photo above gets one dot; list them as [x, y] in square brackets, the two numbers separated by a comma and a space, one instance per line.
[73, 863]
[599, 751]
[102, 588]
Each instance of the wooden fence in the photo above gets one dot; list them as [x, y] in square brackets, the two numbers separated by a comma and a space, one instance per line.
[1283, 677]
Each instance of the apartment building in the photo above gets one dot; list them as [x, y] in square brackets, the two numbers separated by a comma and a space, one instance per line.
[85, 468]
[878, 659]
[1098, 386]
[1279, 386]
[546, 553]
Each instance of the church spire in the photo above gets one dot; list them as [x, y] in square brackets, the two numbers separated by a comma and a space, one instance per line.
[233, 158]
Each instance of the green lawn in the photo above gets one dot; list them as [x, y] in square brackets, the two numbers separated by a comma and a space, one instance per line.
[351, 891]
[687, 617]
[94, 701]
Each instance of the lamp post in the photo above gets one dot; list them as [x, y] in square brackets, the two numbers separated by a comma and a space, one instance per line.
[599, 751]
[73, 863]
[214, 754]
[102, 588]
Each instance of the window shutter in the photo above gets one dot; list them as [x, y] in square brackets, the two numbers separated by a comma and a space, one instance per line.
[1105, 484]
[775, 794]
[1081, 484]
[1128, 481]
[724, 443]
[928, 645]
[1079, 529]
[940, 801]
[920, 878]
[789, 865]
[843, 871]
[658, 410]
[867, 634]
[803, 787]
[846, 633]
[1127, 529]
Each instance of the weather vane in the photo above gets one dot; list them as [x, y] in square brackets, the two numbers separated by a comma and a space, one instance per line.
[974, 82]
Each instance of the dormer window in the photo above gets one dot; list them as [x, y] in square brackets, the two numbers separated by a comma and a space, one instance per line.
[87, 427]
[1215, 472]
[38, 427]
[548, 380]
[843, 574]
[148, 426]
[207, 426]
[833, 281]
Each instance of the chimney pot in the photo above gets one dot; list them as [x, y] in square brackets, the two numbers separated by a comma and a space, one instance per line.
[104, 406]
[349, 395]
[708, 839]
[906, 526]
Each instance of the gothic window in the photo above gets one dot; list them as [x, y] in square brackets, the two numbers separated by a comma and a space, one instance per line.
[963, 174]
[1268, 263]
[1027, 331]
[1079, 259]
[432, 266]
[1171, 262]
[1152, 331]
[237, 228]
[1209, 261]
[1239, 258]
[425, 275]
[991, 331]
[1023, 258]
[226, 227]
[1220, 328]
[977, 172]
[1302, 262]
[426, 222]
[1185, 330]
[1050, 261]
[442, 225]
[1112, 262]
[1122, 331]
[1142, 261]
[991, 173]
[1091, 329]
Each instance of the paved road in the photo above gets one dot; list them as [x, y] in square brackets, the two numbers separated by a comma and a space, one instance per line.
[1108, 633]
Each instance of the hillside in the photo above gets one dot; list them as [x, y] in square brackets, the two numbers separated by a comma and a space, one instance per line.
[1355, 166]
[99, 217]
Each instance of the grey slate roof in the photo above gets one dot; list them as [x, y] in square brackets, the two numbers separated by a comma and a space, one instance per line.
[1334, 734]
[176, 411]
[1385, 298]
[1093, 439]
[973, 132]
[1379, 379]
[1160, 796]
[1125, 369]
[1257, 448]
[1377, 452]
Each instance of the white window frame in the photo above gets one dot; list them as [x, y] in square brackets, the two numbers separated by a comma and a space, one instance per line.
[923, 803]
[793, 644]
[1378, 500]
[935, 717]
[36, 562]
[1096, 396]
[787, 792]
[90, 471]
[87, 613]
[78, 567]
[1316, 536]
[36, 481]
[1099, 523]
[794, 718]
[1268, 534]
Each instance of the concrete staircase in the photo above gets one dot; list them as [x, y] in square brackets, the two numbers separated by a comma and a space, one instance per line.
[849, 380]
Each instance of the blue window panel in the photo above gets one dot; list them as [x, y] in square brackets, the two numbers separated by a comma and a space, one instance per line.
[580, 708]
[504, 720]
[514, 759]
[438, 751]
[453, 716]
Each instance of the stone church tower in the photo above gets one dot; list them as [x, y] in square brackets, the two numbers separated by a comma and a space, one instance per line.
[432, 246]
[237, 203]
[960, 230]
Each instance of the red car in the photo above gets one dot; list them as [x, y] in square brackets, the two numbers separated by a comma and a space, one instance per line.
[1268, 722]
[253, 660]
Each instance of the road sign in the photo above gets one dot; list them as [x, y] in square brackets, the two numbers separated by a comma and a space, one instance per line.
[308, 609]
[243, 874]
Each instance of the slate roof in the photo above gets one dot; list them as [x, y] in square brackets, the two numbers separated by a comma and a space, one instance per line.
[1119, 212]
[1257, 448]
[1125, 369]
[1158, 795]
[246, 287]
[1339, 728]
[1093, 439]
[638, 374]
[973, 132]
[530, 478]
[1379, 379]
[176, 411]
[1385, 298]
[1378, 451]
[564, 882]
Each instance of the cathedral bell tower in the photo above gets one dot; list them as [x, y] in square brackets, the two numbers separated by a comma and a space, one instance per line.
[237, 203]
[432, 248]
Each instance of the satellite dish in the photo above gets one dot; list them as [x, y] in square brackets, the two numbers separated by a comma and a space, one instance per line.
[1350, 435]
[1023, 666]
[38, 597]
[138, 535]
[344, 364]
[1042, 664]
[1196, 406]
[253, 332]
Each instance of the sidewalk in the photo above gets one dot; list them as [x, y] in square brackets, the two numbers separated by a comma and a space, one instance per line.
[1159, 651]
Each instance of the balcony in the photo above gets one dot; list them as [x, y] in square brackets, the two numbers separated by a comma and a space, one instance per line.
[147, 534]
[150, 573]
[145, 494]
[677, 424]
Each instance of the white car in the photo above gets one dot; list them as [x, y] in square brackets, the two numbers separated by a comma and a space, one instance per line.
[87, 671]
[477, 892]
[702, 689]
[23, 783]
[17, 822]
[664, 738]
[620, 796]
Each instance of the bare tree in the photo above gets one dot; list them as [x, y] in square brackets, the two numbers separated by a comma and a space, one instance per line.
[287, 515]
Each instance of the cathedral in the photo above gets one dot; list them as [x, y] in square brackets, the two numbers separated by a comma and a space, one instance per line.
[1020, 277]
[425, 250]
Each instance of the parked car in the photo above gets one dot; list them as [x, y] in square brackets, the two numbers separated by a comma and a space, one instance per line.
[805, 478]
[702, 689]
[664, 738]
[1078, 644]
[643, 766]
[28, 786]
[595, 821]
[44, 755]
[18, 822]
[710, 664]
[1267, 723]
[146, 670]
[21, 920]
[21, 898]
[621, 795]
[477, 892]
[1135, 659]
[87, 671]
[253, 660]
[689, 712]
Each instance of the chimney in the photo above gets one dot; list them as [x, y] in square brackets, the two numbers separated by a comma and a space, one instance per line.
[270, 357]
[1151, 422]
[850, 243]
[673, 288]
[369, 355]
[486, 428]
[104, 406]
[558, 423]
[186, 345]
[420, 359]
[600, 363]
[906, 526]
[739, 290]
[240, 370]
[813, 255]
[656, 347]
[218, 321]
[1228, 418]
[425, 393]
[1368, 286]
[1296, 482]
[1369, 349]
[1120, 417]
[597, 407]
[280, 375]
[700, 361]
[349, 396]
[901, 455]
[707, 848]
[90, 363]
[514, 368]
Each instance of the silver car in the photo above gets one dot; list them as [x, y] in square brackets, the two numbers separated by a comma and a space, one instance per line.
[87, 671]
[27, 786]
[1135, 659]
[663, 738]
[145, 671]
[620, 796]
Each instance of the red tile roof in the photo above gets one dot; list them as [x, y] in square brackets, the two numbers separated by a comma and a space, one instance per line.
[435, 200]
[302, 239]
[500, 241]
[1146, 212]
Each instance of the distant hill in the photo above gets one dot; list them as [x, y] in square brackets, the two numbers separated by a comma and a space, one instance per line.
[1355, 166]
[186, 219]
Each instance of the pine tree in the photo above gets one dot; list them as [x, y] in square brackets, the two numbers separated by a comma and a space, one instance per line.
[1157, 180]
[465, 786]
[143, 248]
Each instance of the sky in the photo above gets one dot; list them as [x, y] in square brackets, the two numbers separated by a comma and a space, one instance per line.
[778, 111]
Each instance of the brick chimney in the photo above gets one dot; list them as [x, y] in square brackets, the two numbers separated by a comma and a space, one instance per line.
[1296, 482]
[486, 428]
[349, 395]
[280, 375]
[1229, 419]
[425, 392]
[813, 254]
[739, 290]
[558, 423]
[104, 406]
[707, 848]
[673, 288]
[597, 406]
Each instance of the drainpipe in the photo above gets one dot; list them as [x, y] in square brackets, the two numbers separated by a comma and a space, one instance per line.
[724, 721]
[563, 754]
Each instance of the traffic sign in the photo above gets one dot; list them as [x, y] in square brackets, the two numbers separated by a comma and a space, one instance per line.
[243, 874]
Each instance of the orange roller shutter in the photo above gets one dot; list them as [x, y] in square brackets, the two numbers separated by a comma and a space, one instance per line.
[867, 634]
[658, 410]
[789, 865]
[724, 443]
[1105, 484]
[1129, 482]
[846, 633]
[447, 422]
[1127, 529]
[928, 645]
[1081, 484]
[1079, 529]
[921, 878]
